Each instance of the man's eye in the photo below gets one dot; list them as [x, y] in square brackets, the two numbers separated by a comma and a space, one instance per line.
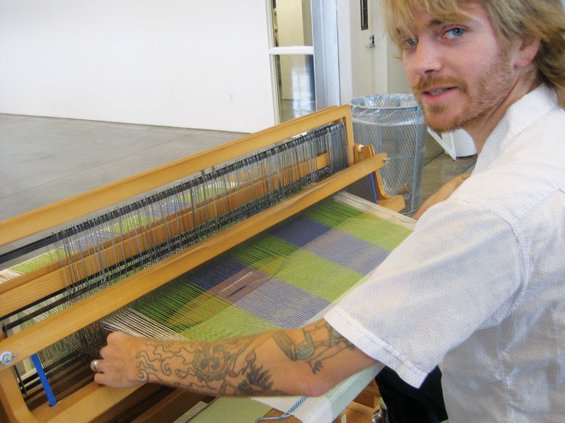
[453, 33]
[410, 42]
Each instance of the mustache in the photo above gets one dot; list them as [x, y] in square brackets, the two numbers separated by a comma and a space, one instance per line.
[424, 84]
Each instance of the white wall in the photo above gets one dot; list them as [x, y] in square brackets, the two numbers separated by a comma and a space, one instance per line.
[389, 73]
[187, 63]
[366, 71]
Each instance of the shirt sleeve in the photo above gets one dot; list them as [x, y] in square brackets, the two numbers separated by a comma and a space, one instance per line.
[457, 272]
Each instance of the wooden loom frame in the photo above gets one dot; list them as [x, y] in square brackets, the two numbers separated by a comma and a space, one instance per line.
[93, 399]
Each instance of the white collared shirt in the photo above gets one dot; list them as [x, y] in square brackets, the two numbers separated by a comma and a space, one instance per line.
[479, 287]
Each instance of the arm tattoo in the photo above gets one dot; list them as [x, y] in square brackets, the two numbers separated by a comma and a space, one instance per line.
[232, 367]
[229, 367]
[319, 343]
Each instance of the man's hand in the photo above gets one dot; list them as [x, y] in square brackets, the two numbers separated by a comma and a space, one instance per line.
[117, 366]
[441, 194]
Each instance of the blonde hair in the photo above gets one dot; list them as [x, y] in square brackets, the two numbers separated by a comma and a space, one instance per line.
[512, 19]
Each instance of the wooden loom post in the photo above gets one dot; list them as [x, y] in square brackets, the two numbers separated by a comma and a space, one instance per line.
[11, 400]
[348, 121]
[392, 202]
[359, 152]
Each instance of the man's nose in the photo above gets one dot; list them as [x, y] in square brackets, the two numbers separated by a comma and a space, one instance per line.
[426, 59]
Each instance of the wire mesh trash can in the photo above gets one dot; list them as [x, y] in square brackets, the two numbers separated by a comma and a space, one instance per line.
[394, 124]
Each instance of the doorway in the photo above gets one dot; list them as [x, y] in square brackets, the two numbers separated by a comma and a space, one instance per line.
[292, 58]
[304, 56]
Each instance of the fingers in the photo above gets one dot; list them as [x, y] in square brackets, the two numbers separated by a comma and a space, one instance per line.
[96, 367]
[96, 364]
[104, 379]
[114, 367]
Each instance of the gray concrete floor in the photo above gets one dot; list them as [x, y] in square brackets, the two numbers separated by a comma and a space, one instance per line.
[43, 160]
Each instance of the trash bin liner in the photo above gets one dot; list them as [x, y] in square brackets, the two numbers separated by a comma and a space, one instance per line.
[394, 124]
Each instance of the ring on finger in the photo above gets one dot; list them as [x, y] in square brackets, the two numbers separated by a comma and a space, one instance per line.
[94, 365]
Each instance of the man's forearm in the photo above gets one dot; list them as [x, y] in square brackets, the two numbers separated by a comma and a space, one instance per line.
[219, 368]
[441, 194]
[305, 361]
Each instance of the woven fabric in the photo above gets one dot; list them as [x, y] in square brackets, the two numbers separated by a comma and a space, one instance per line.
[282, 278]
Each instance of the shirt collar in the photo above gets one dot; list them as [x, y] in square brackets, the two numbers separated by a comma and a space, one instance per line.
[518, 117]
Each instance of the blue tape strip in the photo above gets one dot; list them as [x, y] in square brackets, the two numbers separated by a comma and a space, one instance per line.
[43, 378]
[374, 188]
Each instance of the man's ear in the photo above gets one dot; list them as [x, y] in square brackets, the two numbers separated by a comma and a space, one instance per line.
[527, 49]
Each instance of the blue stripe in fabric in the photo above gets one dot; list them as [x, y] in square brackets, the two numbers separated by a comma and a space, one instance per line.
[348, 251]
[300, 231]
[216, 272]
[332, 244]
[282, 304]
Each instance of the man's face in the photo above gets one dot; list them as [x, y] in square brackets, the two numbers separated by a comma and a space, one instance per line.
[460, 72]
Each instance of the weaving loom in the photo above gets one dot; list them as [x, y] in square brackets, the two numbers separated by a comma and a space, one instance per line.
[159, 254]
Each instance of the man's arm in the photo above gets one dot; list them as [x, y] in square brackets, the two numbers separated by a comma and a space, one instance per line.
[441, 194]
[304, 361]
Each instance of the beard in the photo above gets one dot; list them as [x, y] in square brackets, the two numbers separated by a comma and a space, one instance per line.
[481, 96]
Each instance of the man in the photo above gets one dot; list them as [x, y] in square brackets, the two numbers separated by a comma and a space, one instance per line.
[479, 287]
